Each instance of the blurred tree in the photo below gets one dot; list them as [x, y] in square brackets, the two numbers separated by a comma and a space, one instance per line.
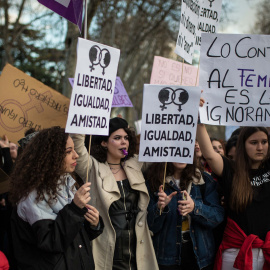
[71, 39]
[24, 40]
[141, 29]
[262, 23]
[41, 43]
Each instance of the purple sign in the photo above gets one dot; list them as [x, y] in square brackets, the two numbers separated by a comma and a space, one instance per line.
[70, 9]
[71, 81]
[120, 96]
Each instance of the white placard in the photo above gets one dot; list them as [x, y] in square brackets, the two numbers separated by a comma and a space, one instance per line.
[235, 77]
[185, 43]
[138, 126]
[94, 82]
[169, 122]
[210, 12]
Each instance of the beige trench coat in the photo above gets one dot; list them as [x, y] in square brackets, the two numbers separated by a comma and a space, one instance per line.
[104, 191]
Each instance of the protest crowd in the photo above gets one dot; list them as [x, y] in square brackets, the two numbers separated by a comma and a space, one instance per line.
[89, 191]
[123, 217]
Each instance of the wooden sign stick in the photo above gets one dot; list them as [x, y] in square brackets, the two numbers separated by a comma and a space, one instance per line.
[88, 158]
[160, 211]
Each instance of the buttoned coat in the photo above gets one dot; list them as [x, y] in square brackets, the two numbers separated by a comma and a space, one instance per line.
[104, 191]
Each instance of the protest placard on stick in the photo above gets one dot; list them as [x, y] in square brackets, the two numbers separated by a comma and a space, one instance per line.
[234, 76]
[27, 103]
[94, 84]
[169, 124]
[170, 72]
[187, 30]
[208, 20]
[120, 96]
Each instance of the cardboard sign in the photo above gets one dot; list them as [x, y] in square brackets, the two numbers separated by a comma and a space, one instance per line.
[27, 103]
[210, 12]
[169, 72]
[169, 124]
[72, 10]
[93, 88]
[235, 78]
[187, 31]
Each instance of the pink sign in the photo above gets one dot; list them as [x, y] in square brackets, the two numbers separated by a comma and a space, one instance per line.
[120, 96]
[169, 72]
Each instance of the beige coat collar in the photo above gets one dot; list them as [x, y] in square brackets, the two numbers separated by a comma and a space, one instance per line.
[131, 165]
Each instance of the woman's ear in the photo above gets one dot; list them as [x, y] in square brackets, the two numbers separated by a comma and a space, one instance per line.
[104, 144]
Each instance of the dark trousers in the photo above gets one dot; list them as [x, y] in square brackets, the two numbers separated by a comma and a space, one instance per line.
[188, 260]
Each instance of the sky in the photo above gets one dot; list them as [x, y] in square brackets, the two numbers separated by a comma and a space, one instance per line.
[242, 16]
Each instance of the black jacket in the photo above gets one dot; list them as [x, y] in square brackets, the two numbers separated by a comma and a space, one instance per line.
[63, 243]
[123, 214]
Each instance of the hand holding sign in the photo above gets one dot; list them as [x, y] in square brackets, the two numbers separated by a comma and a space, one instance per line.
[163, 199]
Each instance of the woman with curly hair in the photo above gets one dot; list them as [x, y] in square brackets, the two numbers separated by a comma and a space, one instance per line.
[120, 194]
[52, 224]
[183, 215]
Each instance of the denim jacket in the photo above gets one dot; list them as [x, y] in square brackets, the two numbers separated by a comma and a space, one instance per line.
[167, 227]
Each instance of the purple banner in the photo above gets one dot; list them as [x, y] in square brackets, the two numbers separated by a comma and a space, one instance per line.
[120, 96]
[70, 9]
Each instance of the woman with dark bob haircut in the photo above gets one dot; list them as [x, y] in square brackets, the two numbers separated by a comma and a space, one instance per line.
[52, 224]
[120, 194]
[246, 187]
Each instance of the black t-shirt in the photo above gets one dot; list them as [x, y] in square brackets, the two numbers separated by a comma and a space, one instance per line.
[255, 219]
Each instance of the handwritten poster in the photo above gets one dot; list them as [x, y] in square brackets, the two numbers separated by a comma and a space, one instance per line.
[210, 12]
[168, 128]
[187, 31]
[235, 76]
[27, 103]
[94, 83]
[167, 71]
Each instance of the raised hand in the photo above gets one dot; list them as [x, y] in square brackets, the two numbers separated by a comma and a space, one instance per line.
[202, 101]
[5, 142]
[82, 196]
